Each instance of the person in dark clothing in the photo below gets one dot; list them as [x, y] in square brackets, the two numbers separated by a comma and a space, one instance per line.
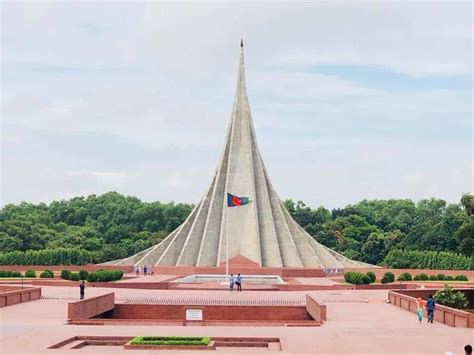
[468, 349]
[145, 269]
[82, 287]
[238, 282]
[430, 308]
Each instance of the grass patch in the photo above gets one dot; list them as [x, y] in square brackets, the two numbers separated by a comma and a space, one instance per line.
[193, 341]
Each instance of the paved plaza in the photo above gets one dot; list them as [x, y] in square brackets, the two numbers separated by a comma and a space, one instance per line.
[359, 322]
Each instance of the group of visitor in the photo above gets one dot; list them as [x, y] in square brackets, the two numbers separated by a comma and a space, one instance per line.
[146, 270]
[430, 306]
[237, 281]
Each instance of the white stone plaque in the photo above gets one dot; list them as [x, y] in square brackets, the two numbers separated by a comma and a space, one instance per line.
[194, 314]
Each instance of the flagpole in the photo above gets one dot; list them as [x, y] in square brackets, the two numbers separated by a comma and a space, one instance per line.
[227, 244]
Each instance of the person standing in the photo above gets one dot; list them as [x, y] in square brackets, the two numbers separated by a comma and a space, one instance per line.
[238, 281]
[144, 270]
[419, 308]
[468, 349]
[231, 282]
[137, 271]
[82, 287]
[430, 308]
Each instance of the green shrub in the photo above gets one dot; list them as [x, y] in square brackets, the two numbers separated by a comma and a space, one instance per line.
[75, 276]
[357, 278]
[416, 278]
[109, 275]
[46, 275]
[83, 274]
[405, 277]
[449, 278]
[461, 278]
[389, 276]
[194, 341]
[424, 277]
[371, 276]
[66, 274]
[448, 297]
[30, 273]
[6, 273]
[433, 277]
[92, 277]
[50, 272]
[385, 280]
[16, 274]
[441, 277]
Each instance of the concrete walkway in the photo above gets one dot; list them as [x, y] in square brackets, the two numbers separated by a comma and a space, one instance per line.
[353, 326]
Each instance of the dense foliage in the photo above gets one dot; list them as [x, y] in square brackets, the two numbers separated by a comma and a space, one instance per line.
[110, 226]
[369, 230]
[396, 233]
[59, 256]
[448, 297]
[415, 259]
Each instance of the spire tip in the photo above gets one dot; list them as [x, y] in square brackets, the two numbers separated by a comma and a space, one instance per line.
[241, 43]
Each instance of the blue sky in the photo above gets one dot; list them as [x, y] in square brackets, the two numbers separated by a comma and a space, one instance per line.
[350, 100]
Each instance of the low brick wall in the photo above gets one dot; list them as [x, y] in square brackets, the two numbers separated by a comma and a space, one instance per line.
[315, 310]
[10, 295]
[211, 313]
[446, 315]
[91, 307]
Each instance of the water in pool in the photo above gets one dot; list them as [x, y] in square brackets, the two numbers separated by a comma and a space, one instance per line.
[246, 279]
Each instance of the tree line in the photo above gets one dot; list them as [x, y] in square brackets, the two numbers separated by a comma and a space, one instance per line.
[112, 226]
[369, 230]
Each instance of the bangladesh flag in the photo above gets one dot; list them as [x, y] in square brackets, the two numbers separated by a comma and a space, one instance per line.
[234, 201]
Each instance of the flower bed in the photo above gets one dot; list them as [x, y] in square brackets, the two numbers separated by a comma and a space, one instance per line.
[170, 343]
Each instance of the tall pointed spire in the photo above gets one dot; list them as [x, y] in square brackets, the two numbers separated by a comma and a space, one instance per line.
[262, 230]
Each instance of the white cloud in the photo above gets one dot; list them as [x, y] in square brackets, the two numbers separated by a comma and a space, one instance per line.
[160, 78]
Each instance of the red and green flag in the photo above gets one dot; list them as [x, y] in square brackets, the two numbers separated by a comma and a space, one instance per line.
[234, 201]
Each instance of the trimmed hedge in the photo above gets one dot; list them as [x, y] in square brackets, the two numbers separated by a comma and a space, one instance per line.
[4, 273]
[83, 274]
[406, 276]
[440, 277]
[371, 276]
[388, 277]
[30, 273]
[194, 341]
[109, 275]
[92, 277]
[47, 274]
[75, 276]
[66, 274]
[356, 278]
